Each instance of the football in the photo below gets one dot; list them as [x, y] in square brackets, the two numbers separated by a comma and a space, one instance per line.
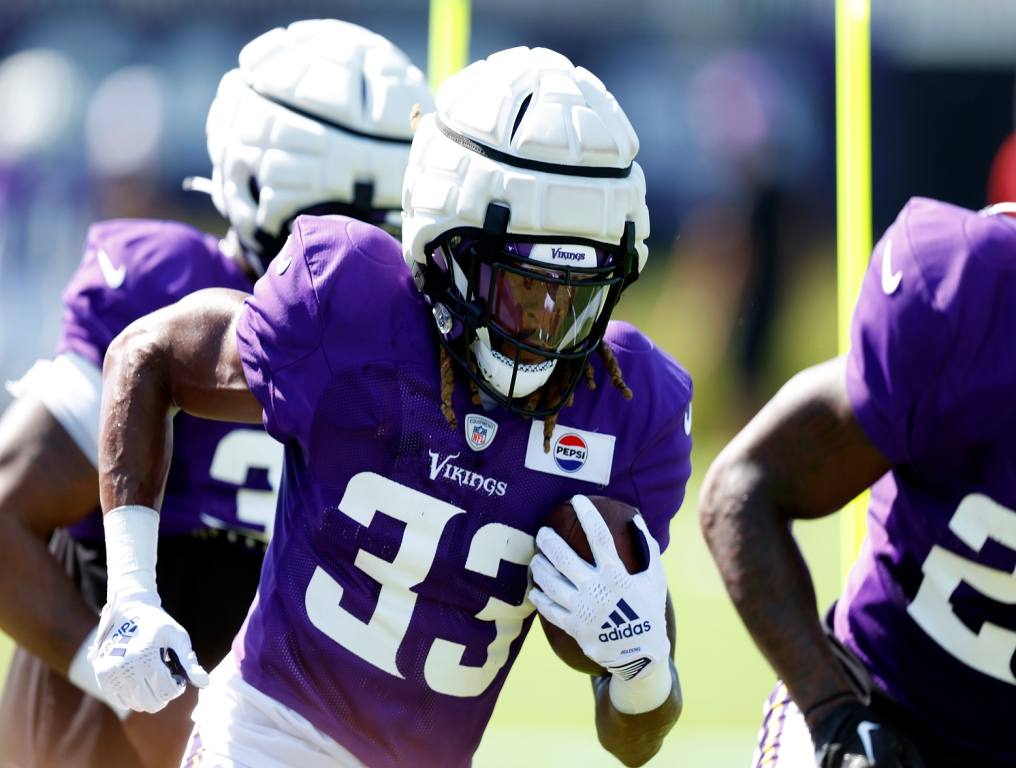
[630, 546]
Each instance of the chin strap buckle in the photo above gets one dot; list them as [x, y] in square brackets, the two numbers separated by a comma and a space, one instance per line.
[631, 256]
[495, 221]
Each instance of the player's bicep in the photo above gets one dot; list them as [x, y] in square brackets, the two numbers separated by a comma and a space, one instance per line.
[805, 449]
[193, 346]
[46, 481]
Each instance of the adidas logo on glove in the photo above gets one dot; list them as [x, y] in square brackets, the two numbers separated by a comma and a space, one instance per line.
[621, 628]
[121, 637]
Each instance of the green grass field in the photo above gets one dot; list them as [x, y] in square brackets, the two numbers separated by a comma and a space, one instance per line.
[545, 716]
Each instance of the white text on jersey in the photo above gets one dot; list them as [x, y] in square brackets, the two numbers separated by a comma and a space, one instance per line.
[444, 469]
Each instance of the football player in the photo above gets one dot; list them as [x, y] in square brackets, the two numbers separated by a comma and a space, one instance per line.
[436, 400]
[915, 665]
[316, 117]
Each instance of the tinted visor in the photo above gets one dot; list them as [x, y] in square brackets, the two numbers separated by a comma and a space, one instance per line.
[543, 308]
[546, 296]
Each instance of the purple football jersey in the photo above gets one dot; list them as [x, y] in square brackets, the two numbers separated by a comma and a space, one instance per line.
[930, 606]
[220, 473]
[392, 600]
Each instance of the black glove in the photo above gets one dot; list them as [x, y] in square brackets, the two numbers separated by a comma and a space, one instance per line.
[853, 736]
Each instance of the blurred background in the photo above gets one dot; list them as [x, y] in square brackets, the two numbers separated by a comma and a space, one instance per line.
[102, 109]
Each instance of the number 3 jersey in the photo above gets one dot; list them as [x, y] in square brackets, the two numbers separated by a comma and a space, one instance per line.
[930, 606]
[392, 600]
[219, 476]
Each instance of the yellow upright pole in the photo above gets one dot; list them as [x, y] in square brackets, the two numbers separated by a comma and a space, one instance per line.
[448, 42]
[853, 201]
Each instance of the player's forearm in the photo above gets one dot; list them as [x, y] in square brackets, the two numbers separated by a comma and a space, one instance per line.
[135, 436]
[634, 739]
[46, 482]
[768, 581]
[52, 628]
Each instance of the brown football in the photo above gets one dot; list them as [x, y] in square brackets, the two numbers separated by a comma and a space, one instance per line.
[619, 519]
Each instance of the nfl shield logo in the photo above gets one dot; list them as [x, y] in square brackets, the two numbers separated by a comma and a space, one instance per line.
[480, 431]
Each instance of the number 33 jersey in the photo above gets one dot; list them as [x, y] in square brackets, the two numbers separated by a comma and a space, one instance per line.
[930, 606]
[392, 600]
[221, 474]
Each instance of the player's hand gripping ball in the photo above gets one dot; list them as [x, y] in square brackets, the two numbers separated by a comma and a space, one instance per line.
[600, 589]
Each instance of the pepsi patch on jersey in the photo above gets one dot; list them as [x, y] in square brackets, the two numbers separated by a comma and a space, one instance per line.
[575, 453]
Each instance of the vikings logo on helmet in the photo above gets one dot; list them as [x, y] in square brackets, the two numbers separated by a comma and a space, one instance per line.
[570, 452]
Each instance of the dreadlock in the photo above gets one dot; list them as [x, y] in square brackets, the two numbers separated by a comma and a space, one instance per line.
[613, 371]
[447, 386]
[562, 374]
[473, 386]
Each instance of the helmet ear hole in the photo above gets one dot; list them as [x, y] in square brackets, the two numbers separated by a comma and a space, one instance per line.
[254, 189]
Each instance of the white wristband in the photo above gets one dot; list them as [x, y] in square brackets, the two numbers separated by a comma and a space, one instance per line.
[132, 541]
[82, 675]
[643, 694]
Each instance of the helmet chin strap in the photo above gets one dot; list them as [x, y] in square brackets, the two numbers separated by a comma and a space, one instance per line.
[200, 184]
[998, 208]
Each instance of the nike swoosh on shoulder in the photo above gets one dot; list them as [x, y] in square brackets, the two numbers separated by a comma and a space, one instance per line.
[282, 263]
[114, 276]
[890, 280]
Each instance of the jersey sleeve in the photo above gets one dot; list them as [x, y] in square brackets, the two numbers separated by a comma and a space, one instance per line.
[319, 307]
[661, 461]
[71, 389]
[129, 268]
[900, 336]
[660, 475]
[279, 336]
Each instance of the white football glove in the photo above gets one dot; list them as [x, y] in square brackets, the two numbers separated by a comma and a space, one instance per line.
[142, 657]
[617, 618]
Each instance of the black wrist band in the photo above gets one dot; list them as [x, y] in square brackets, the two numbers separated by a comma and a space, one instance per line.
[829, 700]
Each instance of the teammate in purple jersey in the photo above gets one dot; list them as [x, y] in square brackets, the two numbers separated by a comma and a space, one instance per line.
[283, 137]
[436, 401]
[919, 669]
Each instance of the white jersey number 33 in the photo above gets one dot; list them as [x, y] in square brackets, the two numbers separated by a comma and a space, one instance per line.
[377, 641]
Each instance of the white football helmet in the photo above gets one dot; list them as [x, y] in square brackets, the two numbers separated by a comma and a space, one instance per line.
[525, 217]
[315, 119]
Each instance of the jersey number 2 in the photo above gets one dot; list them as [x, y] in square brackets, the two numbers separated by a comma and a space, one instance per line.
[992, 649]
[377, 641]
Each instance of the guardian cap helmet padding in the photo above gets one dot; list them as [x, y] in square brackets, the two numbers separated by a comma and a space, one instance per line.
[316, 119]
[525, 219]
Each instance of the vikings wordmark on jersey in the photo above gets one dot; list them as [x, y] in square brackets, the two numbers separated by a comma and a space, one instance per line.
[222, 475]
[392, 602]
[930, 606]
